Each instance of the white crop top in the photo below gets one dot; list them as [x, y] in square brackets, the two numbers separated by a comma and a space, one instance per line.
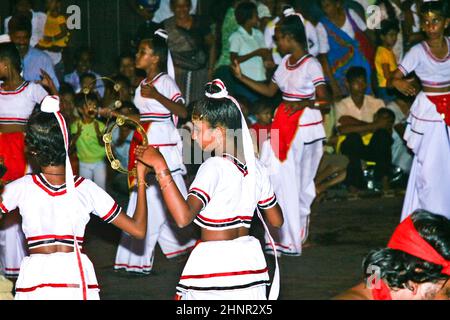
[16, 106]
[432, 72]
[220, 185]
[43, 207]
[151, 109]
[299, 81]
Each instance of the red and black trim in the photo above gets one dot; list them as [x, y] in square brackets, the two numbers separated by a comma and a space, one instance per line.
[319, 81]
[298, 64]
[201, 195]
[297, 97]
[177, 97]
[20, 89]
[3, 209]
[21, 121]
[112, 214]
[11, 272]
[50, 240]
[430, 54]
[268, 203]
[181, 287]
[51, 190]
[156, 117]
[57, 286]
[136, 269]
[223, 223]
[239, 165]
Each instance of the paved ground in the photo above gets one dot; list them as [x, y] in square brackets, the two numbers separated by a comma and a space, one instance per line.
[342, 233]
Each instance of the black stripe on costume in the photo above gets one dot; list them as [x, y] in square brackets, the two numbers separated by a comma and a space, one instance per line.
[51, 242]
[287, 253]
[201, 197]
[314, 141]
[243, 286]
[241, 167]
[221, 225]
[416, 132]
[114, 215]
[268, 205]
[53, 188]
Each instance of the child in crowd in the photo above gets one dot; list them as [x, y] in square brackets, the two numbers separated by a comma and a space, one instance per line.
[385, 61]
[263, 112]
[88, 138]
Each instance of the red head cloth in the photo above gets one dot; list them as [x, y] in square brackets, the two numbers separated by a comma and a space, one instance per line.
[407, 239]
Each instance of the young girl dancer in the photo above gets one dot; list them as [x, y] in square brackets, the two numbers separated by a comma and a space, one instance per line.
[17, 100]
[158, 99]
[227, 264]
[55, 208]
[296, 145]
[428, 132]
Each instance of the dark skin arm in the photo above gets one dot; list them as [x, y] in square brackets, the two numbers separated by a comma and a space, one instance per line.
[265, 89]
[337, 94]
[261, 52]
[351, 125]
[398, 81]
[148, 91]
[274, 216]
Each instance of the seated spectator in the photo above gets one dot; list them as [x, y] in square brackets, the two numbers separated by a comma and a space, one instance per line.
[385, 61]
[83, 64]
[401, 155]
[25, 8]
[36, 63]
[413, 266]
[248, 48]
[127, 68]
[263, 112]
[364, 137]
[344, 42]
[56, 35]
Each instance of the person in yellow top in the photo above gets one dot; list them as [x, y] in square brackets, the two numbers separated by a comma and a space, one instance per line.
[56, 35]
[385, 61]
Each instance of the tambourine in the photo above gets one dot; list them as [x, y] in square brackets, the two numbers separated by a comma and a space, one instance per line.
[108, 139]
[116, 104]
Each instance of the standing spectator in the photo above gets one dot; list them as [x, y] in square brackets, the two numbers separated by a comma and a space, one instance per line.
[165, 11]
[366, 138]
[248, 48]
[264, 114]
[343, 44]
[412, 30]
[127, 68]
[25, 8]
[35, 62]
[83, 64]
[385, 61]
[392, 10]
[56, 35]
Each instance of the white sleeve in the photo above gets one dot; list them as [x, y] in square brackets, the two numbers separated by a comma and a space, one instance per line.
[276, 75]
[172, 91]
[322, 35]
[260, 39]
[313, 39]
[410, 61]
[10, 198]
[267, 198]
[359, 22]
[104, 205]
[38, 93]
[315, 72]
[206, 181]
[6, 25]
[269, 32]
[235, 43]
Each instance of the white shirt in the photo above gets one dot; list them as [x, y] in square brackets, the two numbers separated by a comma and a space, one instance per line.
[16, 106]
[431, 71]
[164, 12]
[347, 28]
[38, 21]
[221, 186]
[346, 107]
[43, 207]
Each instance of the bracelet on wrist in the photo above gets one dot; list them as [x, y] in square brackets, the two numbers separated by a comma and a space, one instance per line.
[168, 184]
[142, 182]
[162, 174]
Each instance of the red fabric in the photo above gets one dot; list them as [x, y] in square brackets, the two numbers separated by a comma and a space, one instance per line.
[137, 141]
[442, 104]
[262, 132]
[382, 293]
[12, 151]
[407, 239]
[366, 47]
[286, 126]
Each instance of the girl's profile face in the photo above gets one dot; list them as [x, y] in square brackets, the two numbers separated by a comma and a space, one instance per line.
[204, 135]
[144, 56]
[282, 42]
[433, 24]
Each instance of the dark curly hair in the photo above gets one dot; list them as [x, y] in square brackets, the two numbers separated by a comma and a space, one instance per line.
[10, 54]
[294, 27]
[44, 140]
[218, 112]
[398, 268]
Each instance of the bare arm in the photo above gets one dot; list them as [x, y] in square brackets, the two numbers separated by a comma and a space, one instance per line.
[261, 52]
[397, 80]
[327, 70]
[274, 216]
[265, 89]
[137, 225]
[150, 92]
[351, 125]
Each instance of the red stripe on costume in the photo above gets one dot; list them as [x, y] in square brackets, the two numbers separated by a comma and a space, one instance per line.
[12, 269]
[164, 145]
[225, 220]
[295, 95]
[268, 200]
[224, 274]
[179, 251]
[311, 124]
[19, 90]
[114, 208]
[279, 245]
[52, 193]
[3, 208]
[298, 64]
[54, 285]
[64, 129]
[52, 236]
[175, 96]
[202, 192]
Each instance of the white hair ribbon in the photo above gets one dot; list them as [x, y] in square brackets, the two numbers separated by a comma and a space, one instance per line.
[170, 67]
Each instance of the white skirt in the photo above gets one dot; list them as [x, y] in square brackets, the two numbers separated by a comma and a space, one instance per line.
[55, 277]
[225, 270]
[428, 137]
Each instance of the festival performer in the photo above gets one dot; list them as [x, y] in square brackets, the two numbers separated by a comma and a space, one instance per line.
[17, 100]
[159, 101]
[55, 207]
[428, 131]
[227, 264]
[296, 145]
[414, 266]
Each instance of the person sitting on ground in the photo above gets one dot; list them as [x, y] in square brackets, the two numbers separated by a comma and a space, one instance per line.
[414, 266]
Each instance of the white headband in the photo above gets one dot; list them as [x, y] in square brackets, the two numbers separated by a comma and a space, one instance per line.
[4, 38]
[170, 67]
